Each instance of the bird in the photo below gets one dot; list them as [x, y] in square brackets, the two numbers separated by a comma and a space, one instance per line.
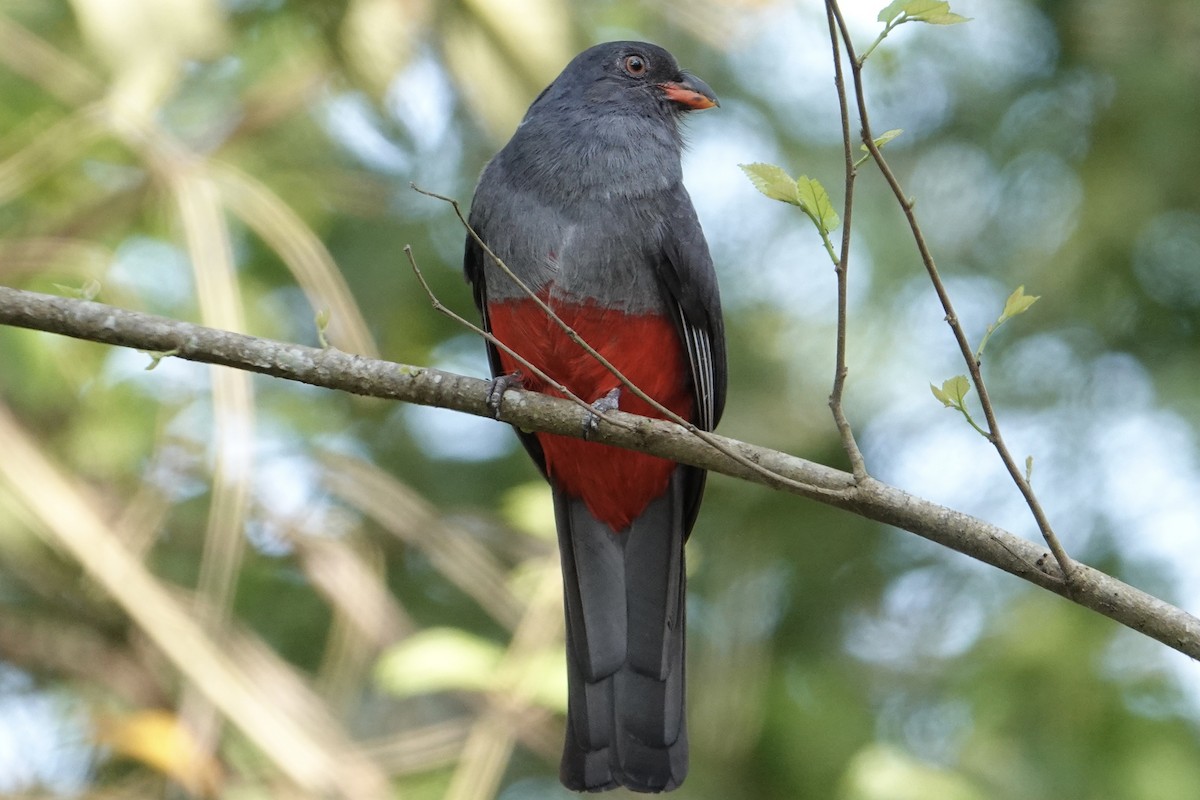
[586, 206]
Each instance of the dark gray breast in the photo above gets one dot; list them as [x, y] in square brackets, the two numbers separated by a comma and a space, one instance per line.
[580, 202]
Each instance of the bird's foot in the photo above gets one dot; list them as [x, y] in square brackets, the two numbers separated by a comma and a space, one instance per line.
[610, 402]
[500, 385]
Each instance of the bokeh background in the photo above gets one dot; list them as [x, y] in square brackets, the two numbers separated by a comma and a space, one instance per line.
[383, 577]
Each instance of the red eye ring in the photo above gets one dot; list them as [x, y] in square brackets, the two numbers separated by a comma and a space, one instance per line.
[635, 65]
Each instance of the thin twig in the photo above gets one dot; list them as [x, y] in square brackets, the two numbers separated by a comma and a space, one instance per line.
[704, 436]
[857, 463]
[571, 333]
[441, 308]
[1065, 563]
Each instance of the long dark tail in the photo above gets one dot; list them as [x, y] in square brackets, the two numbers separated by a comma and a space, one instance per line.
[624, 597]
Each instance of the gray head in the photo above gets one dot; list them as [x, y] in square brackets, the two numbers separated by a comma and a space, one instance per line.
[624, 78]
[608, 122]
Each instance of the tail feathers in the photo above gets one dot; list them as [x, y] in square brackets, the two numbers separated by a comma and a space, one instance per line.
[624, 598]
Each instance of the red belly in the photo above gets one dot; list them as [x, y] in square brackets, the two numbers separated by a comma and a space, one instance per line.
[616, 485]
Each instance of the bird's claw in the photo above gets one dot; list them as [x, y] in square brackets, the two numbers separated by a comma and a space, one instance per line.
[500, 385]
[610, 402]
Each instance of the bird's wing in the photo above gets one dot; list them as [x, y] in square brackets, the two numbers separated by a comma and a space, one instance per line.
[686, 273]
[689, 280]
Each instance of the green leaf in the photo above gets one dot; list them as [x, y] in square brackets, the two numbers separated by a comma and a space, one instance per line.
[439, 659]
[87, 291]
[953, 392]
[883, 138]
[1018, 303]
[543, 680]
[880, 141]
[322, 321]
[945, 18]
[894, 9]
[934, 12]
[815, 202]
[922, 10]
[156, 356]
[772, 181]
[450, 659]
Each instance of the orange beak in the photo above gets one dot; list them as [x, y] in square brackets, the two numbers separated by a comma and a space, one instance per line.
[689, 92]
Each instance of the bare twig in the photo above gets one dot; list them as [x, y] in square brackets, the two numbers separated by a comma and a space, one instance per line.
[857, 463]
[445, 310]
[702, 435]
[532, 411]
[571, 333]
[1065, 563]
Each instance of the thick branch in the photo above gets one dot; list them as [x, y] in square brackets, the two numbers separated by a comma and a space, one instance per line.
[868, 498]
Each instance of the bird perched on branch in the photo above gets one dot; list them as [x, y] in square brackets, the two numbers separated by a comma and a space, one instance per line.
[586, 206]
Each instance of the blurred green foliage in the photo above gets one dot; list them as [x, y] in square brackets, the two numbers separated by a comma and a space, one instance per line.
[249, 163]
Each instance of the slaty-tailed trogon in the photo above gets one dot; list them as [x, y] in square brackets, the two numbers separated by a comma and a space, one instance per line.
[586, 205]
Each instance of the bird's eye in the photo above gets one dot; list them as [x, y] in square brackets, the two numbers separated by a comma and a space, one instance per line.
[635, 65]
